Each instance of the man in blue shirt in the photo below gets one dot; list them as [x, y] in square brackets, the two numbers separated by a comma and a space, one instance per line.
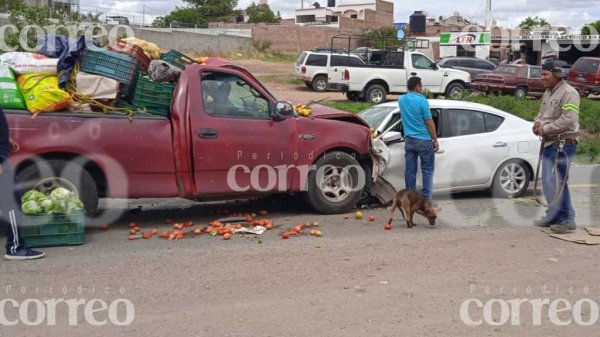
[420, 136]
[10, 200]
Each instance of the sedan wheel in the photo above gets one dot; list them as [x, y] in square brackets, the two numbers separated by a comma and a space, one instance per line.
[512, 178]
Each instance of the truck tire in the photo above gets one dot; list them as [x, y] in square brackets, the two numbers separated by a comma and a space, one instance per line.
[454, 91]
[512, 178]
[61, 173]
[334, 186]
[319, 83]
[521, 92]
[375, 93]
[352, 96]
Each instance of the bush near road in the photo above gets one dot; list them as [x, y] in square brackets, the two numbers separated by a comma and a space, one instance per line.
[589, 118]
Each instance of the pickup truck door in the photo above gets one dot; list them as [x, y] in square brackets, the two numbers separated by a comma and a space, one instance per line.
[431, 76]
[237, 147]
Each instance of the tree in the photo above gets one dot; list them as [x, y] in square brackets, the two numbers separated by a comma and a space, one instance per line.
[214, 9]
[186, 17]
[530, 22]
[589, 28]
[260, 13]
[382, 38]
[9, 5]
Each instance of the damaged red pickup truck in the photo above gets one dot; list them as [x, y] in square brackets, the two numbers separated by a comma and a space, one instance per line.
[227, 137]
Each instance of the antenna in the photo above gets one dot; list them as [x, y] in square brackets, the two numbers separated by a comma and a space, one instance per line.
[488, 14]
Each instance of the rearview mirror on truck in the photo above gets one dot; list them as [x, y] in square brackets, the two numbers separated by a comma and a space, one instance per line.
[283, 111]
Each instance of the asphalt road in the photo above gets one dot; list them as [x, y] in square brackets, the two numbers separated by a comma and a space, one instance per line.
[356, 280]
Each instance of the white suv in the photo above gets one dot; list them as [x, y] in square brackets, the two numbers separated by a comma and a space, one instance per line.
[311, 66]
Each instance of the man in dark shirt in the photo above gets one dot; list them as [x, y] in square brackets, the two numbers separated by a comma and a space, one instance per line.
[10, 200]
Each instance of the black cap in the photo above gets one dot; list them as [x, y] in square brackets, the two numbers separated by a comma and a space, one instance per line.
[554, 69]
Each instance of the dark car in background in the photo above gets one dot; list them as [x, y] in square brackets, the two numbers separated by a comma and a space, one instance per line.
[585, 74]
[472, 65]
[514, 79]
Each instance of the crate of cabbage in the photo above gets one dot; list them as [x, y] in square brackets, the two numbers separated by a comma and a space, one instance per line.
[54, 219]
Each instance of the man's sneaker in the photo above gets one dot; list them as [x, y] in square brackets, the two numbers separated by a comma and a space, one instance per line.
[24, 254]
[563, 227]
[544, 222]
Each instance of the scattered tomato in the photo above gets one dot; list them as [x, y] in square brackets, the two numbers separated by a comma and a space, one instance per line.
[136, 228]
[510, 196]
[238, 226]
[313, 232]
[387, 226]
[164, 235]
[146, 235]
[285, 236]
[132, 224]
[297, 229]
[198, 231]
[318, 233]
[358, 215]
[188, 224]
[371, 218]
[315, 224]
[227, 236]
[209, 229]
[172, 236]
[154, 231]
[132, 237]
[132, 231]
[249, 218]
[269, 226]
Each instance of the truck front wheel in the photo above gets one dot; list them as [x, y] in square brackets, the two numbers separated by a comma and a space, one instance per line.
[455, 91]
[46, 175]
[335, 183]
[375, 94]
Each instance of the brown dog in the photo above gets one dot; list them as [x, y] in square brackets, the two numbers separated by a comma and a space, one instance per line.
[410, 202]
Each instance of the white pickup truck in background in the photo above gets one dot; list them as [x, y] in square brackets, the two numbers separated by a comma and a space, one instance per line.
[387, 72]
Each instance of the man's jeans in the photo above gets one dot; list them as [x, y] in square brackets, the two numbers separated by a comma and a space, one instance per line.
[419, 149]
[561, 210]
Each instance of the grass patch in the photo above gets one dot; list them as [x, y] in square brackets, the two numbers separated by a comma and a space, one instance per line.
[353, 107]
[262, 56]
[281, 79]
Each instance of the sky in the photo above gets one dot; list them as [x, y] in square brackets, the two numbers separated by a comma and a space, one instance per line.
[508, 13]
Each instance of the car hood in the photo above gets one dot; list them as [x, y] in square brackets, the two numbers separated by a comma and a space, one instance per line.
[325, 112]
[455, 71]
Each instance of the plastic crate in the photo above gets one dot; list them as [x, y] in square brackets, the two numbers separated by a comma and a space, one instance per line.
[148, 110]
[156, 97]
[122, 68]
[177, 59]
[47, 230]
[132, 50]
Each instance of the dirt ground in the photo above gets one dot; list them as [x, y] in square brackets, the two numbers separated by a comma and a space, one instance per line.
[357, 280]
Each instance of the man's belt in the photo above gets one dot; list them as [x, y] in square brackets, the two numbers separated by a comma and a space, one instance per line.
[569, 138]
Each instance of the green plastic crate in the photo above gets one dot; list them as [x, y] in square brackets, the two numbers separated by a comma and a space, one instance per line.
[156, 97]
[47, 230]
[177, 59]
[120, 67]
[148, 110]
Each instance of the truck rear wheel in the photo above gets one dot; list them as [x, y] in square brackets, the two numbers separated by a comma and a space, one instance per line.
[47, 175]
[521, 93]
[319, 84]
[375, 93]
[335, 184]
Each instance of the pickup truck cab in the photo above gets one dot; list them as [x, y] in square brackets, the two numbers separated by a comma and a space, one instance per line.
[390, 74]
[227, 137]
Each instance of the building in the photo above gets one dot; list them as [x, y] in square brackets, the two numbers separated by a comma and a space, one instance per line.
[59, 5]
[372, 15]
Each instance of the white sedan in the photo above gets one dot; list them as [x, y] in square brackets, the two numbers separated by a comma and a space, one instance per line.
[481, 148]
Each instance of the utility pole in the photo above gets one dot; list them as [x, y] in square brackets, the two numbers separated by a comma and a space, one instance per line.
[143, 15]
[488, 15]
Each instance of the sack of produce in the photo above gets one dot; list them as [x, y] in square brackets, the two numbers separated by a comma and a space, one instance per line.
[150, 49]
[96, 87]
[29, 63]
[42, 93]
[10, 95]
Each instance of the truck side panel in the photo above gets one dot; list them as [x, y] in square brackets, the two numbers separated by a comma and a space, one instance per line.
[141, 157]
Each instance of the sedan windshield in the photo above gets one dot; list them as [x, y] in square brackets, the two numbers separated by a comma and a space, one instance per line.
[374, 116]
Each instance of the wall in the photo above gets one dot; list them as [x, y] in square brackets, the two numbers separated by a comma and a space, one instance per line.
[200, 43]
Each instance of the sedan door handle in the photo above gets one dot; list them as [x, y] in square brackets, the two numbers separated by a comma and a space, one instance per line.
[208, 133]
[500, 144]
[413, 74]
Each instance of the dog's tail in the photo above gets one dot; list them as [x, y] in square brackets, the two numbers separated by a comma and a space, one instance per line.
[394, 205]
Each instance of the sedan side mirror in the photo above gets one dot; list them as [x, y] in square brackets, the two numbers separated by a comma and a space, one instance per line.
[434, 66]
[392, 136]
[283, 111]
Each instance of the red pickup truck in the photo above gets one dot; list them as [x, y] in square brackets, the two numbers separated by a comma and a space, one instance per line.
[514, 79]
[227, 137]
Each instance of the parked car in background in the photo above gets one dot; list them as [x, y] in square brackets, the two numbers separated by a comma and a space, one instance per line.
[472, 65]
[311, 66]
[514, 79]
[585, 73]
[481, 147]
